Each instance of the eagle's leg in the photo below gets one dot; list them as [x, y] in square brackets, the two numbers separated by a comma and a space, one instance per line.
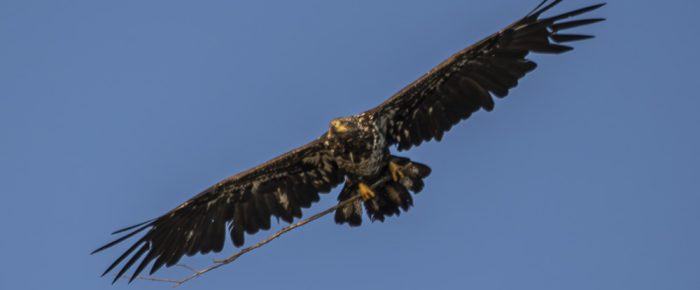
[365, 191]
[382, 195]
[396, 171]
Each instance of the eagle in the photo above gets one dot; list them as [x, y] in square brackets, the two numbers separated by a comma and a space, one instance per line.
[355, 151]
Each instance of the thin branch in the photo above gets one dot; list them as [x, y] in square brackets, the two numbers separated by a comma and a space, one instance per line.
[218, 263]
[193, 270]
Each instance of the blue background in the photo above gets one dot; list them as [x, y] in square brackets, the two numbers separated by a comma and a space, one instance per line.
[113, 112]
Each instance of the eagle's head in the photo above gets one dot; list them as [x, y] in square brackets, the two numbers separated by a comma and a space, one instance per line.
[345, 126]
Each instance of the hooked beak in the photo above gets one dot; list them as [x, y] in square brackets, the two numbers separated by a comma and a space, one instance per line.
[338, 126]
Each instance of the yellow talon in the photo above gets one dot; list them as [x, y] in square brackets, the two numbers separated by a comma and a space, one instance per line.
[365, 191]
[395, 170]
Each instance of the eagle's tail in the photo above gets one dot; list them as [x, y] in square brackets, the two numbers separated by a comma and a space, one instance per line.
[390, 196]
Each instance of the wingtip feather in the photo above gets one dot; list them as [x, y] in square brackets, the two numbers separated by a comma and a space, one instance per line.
[535, 13]
[131, 227]
[121, 239]
[575, 12]
[561, 38]
[574, 23]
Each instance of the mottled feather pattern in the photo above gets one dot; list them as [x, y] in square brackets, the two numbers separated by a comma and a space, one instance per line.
[243, 203]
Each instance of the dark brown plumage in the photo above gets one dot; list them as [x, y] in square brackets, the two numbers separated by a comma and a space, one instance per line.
[355, 151]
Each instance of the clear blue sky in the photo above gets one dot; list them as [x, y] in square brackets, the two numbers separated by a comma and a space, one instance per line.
[586, 177]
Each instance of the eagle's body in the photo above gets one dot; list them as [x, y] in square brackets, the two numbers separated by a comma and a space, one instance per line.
[355, 151]
[362, 151]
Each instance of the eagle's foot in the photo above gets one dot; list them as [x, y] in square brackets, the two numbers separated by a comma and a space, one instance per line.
[365, 191]
[396, 171]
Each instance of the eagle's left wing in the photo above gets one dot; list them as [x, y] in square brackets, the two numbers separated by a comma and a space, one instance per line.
[245, 202]
[465, 82]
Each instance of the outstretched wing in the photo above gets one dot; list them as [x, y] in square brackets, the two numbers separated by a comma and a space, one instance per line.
[465, 82]
[245, 202]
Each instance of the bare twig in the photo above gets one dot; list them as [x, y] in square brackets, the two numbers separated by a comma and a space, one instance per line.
[218, 263]
[193, 270]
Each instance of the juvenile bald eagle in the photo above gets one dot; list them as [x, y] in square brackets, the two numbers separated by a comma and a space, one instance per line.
[355, 150]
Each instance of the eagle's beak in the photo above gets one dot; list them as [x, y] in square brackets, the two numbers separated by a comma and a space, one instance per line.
[338, 126]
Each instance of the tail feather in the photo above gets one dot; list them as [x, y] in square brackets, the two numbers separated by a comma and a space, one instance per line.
[352, 213]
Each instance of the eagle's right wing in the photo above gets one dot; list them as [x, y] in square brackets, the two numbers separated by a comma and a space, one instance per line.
[245, 202]
[465, 82]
